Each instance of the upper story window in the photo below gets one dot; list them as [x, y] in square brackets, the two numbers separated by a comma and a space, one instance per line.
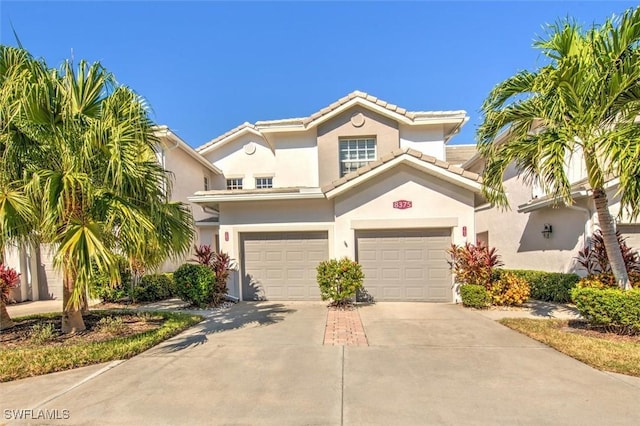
[206, 183]
[235, 183]
[356, 153]
[264, 182]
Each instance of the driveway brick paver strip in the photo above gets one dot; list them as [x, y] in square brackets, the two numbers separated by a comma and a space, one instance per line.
[344, 328]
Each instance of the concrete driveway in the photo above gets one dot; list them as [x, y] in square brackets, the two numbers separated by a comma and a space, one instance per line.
[264, 363]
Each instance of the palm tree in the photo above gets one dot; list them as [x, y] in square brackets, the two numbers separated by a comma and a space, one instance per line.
[84, 147]
[584, 99]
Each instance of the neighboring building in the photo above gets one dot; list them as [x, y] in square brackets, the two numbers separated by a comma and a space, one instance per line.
[361, 178]
[190, 173]
[518, 234]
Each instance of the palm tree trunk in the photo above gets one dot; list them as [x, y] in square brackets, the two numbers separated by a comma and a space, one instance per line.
[5, 319]
[610, 240]
[71, 314]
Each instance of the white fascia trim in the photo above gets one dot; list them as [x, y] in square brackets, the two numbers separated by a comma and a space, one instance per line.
[415, 163]
[207, 224]
[365, 103]
[535, 205]
[254, 197]
[439, 222]
[231, 138]
[164, 131]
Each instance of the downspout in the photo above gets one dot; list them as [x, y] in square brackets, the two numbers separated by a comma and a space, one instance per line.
[588, 224]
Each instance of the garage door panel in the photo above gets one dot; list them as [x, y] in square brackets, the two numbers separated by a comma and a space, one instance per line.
[405, 264]
[414, 274]
[390, 255]
[282, 265]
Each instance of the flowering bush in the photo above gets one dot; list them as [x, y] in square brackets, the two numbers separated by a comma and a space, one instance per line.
[509, 290]
[339, 280]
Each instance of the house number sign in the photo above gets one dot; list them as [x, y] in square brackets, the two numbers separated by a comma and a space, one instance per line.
[402, 204]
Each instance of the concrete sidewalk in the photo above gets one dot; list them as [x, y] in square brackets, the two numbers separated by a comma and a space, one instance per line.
[264, 363]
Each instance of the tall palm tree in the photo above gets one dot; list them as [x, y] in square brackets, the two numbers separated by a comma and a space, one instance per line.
[584, 99]
[84, 147]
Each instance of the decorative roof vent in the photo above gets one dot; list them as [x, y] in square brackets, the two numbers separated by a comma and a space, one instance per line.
[357, 119]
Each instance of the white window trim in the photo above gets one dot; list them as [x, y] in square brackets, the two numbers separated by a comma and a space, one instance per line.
[257, 178]
[366, 160]
[230, 185]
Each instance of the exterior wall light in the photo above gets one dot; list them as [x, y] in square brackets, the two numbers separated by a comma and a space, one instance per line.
[547, 230]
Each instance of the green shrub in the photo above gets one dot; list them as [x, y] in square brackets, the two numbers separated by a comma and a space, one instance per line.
[194, 283]
[509, 290]
[339, 280]
[475, 296]
[102, 287]
[612, 308]
[607, 280]
[153, 287]
[547, 286]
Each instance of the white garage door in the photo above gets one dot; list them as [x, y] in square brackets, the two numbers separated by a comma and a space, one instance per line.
[282, 265]
[632, 235]
[406, 265]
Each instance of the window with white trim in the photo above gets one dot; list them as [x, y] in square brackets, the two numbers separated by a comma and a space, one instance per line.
[235, 183]
[356, 153]
[264, 182]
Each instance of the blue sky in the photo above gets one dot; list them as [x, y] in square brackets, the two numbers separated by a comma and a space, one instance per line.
[206, 66]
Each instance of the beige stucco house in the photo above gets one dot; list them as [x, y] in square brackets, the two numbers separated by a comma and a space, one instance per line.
[360, 178]
[539, 233]
[190, 172]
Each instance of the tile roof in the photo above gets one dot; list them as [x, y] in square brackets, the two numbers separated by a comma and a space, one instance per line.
[389, 106]
[245, 125]
[305, 121]
[458, 154]
[398, 153]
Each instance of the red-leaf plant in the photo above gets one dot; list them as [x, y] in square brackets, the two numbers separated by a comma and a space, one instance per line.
[9, 279]
[594, 258]
[473, 264]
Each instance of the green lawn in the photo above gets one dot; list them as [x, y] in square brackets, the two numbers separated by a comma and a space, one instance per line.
[607, 353]
[37, 356]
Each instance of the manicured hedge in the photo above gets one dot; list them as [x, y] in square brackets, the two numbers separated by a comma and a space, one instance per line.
[615, 309]
[547, 286]
[194, 284]
[475, 296]
[154, 287]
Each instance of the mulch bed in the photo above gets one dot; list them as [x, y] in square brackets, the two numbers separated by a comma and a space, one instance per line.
[582, 328]
[21, 334]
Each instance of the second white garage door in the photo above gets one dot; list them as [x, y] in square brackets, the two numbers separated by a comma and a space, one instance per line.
[282, 265]
[406, 265]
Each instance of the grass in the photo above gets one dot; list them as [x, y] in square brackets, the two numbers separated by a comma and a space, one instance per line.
[609, 354]
[34, 360]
